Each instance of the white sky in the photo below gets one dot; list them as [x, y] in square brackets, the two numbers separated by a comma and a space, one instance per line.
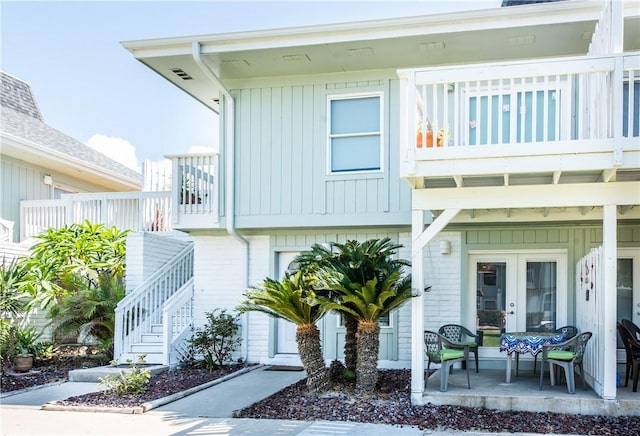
[92, 89]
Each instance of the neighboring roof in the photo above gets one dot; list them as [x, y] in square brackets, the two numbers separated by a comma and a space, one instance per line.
[20, 118]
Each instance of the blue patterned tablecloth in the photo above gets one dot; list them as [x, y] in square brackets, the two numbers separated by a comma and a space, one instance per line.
[528, 342]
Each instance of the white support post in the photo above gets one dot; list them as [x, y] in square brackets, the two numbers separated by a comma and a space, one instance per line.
[417, 312]
[609, 309]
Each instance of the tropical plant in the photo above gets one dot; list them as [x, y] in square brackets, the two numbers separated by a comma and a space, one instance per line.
[13, 300]
[217, 340]
[294, 300]
[85, 250]
[353, 262]
[89, 308]
[127, 383]
[367, 303]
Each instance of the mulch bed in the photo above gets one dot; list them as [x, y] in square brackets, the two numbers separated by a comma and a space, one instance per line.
[391, 404]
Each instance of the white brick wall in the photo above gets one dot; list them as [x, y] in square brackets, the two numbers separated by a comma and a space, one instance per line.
[147, 253]
[442, 302]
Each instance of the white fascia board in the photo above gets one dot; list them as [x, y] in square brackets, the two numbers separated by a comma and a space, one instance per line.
[496, 18]
[28, 148]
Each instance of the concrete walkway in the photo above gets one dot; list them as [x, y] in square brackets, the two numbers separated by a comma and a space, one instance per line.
[207, 412]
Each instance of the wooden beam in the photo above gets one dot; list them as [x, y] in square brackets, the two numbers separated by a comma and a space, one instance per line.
[608, 175]
[556, 177]
[434, 228]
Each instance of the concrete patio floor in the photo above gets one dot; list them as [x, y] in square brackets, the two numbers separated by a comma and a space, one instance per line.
[489, 390]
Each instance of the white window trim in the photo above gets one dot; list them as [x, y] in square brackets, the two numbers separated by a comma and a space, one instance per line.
[352, 96]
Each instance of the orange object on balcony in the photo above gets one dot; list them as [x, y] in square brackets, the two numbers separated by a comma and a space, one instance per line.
[429, 139]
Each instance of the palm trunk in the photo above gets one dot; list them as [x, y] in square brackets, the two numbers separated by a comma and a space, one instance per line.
[350, 343]
[308, 340]
[367, 367]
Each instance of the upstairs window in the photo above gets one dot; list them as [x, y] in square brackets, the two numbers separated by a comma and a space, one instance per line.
[355, 137]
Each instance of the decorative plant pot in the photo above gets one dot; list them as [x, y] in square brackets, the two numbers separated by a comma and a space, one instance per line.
[23, 363]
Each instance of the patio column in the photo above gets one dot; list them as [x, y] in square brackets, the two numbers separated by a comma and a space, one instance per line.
[609, 303]
[417, 310]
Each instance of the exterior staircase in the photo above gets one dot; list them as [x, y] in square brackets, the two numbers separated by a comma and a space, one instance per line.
[155, 319]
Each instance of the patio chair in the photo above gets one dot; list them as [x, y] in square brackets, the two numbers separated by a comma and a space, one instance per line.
[632, 350]
[568, 355]
[440, 350]
[632, 327]
[454, 333]
[567, 331]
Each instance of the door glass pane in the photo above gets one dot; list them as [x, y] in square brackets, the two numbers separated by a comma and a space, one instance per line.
[541, 296]
[625, 292]
[490, 300]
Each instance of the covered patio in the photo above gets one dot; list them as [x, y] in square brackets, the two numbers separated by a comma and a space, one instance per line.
[489, 390]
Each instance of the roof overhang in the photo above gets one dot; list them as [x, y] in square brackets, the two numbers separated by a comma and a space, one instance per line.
[19, 148]
[548, 29]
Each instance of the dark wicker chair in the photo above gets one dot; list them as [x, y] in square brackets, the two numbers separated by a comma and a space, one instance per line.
[632, 327]
[568, 355]
[632, 350]
[461, 337]
[439, 350]
[567, 331]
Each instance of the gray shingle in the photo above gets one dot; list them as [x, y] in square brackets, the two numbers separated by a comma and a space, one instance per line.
[20, 116]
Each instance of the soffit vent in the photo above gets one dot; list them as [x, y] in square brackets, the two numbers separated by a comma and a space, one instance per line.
[180, 73]
[296, 58]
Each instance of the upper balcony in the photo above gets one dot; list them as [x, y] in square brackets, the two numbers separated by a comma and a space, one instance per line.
[561, 120]
[192, 203]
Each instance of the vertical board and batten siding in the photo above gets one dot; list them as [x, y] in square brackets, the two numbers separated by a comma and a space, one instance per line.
[148, 253]
[21, 180]
[332, 335]
[577, 240]
[282, 180]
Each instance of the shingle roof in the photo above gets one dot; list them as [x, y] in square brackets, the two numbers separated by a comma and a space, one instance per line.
[21, 117]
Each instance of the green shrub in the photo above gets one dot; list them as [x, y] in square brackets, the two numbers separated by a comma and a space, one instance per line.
[127, 383]
[217, 340]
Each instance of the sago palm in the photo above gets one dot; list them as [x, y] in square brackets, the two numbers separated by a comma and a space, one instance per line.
[352, 262]
[294, 300]
[367, 303]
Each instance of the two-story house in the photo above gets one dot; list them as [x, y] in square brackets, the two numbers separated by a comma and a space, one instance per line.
[498, 146]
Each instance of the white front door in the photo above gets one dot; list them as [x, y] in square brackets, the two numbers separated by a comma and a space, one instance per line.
[286, 337]
[523, 291]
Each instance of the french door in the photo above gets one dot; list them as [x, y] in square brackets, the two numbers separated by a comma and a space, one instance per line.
[628, 286]
[516, 292]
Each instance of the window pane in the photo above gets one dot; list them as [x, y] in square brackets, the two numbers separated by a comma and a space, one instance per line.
[357, 115]
[541, 296]
[491, 300]
[625, 292]
[355, 153]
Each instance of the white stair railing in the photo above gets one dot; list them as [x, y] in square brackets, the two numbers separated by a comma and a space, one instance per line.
[177, 323]
[143, 307]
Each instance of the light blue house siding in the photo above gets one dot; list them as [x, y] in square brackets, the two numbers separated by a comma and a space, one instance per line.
[281, 160]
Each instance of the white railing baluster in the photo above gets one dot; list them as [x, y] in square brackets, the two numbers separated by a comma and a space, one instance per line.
[145, 303]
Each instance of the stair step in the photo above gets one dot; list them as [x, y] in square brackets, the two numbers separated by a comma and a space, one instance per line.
[146, 348]
[149, 358]
[156, 328]
[151, 338]
[95, 374]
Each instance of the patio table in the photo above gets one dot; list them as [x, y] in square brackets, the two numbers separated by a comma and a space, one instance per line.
[526, 342]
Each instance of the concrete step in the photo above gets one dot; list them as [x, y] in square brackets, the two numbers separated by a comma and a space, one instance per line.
[95, 374]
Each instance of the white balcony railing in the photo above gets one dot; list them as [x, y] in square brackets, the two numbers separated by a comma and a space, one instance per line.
[195, 187]
[140, 211]
[543, 101]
